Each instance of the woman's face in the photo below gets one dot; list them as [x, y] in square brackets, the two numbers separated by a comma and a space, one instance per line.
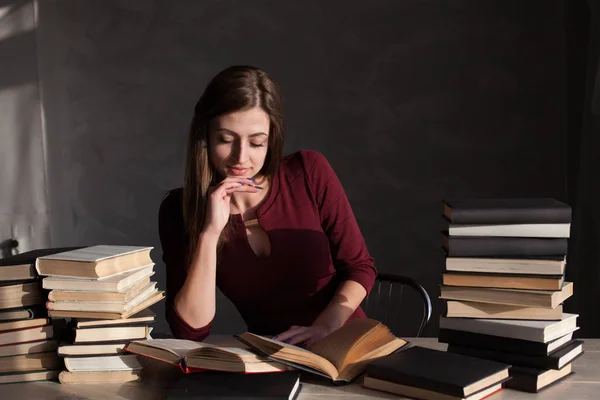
[239, 142]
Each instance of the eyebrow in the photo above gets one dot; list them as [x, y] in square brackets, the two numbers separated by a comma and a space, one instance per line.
[236, 134]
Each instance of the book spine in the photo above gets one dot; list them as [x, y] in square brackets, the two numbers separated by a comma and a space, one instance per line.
[469, 246]
[512, 216]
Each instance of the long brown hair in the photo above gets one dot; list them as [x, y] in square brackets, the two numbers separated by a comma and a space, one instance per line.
[234, 89]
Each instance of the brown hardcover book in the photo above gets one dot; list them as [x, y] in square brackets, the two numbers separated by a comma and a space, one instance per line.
[13, 295]
[123, 297]
[30, 362]
[467, 309]
[94, 262]
[504, 281]
[341, 356]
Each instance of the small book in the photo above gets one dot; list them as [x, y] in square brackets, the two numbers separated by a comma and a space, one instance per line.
[341, 356]
[22, 266]
[531, 282]
[515, 297]
[534, 380]
[117, 283]
[432, 374]
[192, 356]
[499, 343]
[530, 266]
[220, 385]
[507, 247]
[535, 331]
[155, 298]
[507, 211]
[29, 376]
[66, 377]
[94, 261]
[561, 357]
[467, 309]
[512, 230]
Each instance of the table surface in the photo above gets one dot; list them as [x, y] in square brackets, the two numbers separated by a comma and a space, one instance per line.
[583, 384]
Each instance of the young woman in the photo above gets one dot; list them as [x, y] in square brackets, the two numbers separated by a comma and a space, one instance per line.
[275, 234]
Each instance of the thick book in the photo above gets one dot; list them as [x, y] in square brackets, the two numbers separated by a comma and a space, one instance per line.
[532, 282]
[531, 266]
[507, 247]
[22, 266]
[533, 380]
[110, 333]
[30, 362]
[87, 296]
[24, 335]
[192, 356]
[341, 356]
[436, 371]
[22, 294]
[145, 316]
[512, 230]
[515, 297]
[28, 348]
[94, 348]
[467, 309]
[94, 261]
[220, 385]
[535, 331]
[499, 343]
[561, 357]
[104, 306]
[117, 283]
[155, 298]
[507, 211]
[121, 362]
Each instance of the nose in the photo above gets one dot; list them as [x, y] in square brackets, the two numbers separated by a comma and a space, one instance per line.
[240, 152]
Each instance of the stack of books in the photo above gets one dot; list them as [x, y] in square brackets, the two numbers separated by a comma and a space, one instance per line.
[27, 339]
[504, 287]
[104, 292]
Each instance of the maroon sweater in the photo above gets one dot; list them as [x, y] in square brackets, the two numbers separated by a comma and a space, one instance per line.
[315, 245]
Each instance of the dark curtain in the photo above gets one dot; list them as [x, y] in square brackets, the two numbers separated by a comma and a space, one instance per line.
[583, 125]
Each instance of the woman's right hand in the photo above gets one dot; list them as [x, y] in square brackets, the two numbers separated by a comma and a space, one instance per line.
[219, 200]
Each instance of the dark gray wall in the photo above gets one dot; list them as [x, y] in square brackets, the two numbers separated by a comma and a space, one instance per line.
[411, 101]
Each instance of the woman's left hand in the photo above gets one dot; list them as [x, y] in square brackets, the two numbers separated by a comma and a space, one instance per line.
[304, 336]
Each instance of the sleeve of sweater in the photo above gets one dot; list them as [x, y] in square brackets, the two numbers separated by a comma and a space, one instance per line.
[174, 245]
[348, 249]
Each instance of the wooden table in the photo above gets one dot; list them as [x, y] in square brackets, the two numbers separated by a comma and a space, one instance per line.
[159, 377]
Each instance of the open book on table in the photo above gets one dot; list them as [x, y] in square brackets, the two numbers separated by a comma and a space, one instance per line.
[341, 356]
[192, 356]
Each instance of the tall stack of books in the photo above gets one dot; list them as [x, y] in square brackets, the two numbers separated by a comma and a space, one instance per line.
[105, 292]
[27, 343]
[504, 287]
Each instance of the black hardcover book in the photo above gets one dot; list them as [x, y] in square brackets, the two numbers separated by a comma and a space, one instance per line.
[499, 343]
[212, 385]
[533, 380]
[507, 211]
[438, 371]
[517, 247]
[556, 360]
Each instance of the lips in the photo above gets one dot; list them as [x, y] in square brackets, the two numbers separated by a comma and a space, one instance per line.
[238, 171]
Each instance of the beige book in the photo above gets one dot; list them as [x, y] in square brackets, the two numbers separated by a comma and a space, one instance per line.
[62, 295]
[515, 297]
[503, 281]
[146, 315]
[189, 355]
[155, 298]
[117, 283]
[30, 362]
[29, 376]
[124, 362]
[20, 295]
[465, 309]
[28, 348]
[104, 306]
[20, 272]
[27, 335]
[341, 356]
[94, 262]
[22, 324]
[90, 349]
[67, 377]
[111, 333]
[506, 265]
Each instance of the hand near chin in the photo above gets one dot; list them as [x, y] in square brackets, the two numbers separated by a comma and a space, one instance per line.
[303, 336]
